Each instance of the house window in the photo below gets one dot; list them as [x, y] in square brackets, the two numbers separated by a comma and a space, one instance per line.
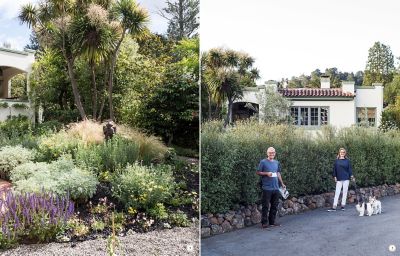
[294, 113]
[304, 116]
[366, 116]
[310, 116]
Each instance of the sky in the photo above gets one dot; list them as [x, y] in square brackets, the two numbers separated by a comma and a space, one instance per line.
[17, 35]
[291, 37]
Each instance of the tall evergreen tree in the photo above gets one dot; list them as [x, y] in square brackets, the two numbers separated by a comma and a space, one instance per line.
[380, 65]
[182, 18]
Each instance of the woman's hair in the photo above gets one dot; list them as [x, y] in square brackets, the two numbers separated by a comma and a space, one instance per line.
[338, 154]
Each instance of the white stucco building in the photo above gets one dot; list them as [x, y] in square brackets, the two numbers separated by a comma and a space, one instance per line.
[12, 63]
[314, 107]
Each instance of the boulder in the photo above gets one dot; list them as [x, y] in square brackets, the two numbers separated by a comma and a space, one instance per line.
[226, 226]
[255, 217]
[216, 229]
[205, 232]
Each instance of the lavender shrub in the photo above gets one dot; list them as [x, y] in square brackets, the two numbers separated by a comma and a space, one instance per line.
[32, 217]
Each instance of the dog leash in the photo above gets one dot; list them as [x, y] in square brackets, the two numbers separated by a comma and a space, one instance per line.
[359, 198]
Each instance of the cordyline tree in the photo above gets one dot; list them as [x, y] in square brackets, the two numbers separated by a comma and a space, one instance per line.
[226, 73]
[93, 30]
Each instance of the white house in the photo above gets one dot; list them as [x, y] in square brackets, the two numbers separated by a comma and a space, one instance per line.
[314, 107]
[12, 63]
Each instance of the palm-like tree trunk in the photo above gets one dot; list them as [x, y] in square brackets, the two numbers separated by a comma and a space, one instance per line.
[228, 119]
[209, 106]
[94, 87]
[111, 75]
[74, 84]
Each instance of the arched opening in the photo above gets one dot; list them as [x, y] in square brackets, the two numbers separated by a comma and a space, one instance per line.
[6, 75]
[244, 110]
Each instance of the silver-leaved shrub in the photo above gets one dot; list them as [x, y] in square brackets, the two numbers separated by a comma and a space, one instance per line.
[11, 157]
[61, 177]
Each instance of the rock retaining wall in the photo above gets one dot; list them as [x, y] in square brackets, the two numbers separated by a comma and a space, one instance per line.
[243, 216]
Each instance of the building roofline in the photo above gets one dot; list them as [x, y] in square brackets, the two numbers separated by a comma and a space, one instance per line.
[14, 51]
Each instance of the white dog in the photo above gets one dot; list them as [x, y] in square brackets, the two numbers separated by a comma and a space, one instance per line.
[364, 208]
[376, 205]
[373, 206]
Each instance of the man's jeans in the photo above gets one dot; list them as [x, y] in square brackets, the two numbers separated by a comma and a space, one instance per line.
[269, 196]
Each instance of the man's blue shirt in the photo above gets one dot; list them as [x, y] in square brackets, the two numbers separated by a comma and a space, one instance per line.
[269, 183]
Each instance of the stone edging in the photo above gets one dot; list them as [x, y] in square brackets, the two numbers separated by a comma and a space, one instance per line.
[243, 216]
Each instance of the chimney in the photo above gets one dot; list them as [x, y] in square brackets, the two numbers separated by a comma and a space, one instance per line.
[273, 84]
[348, 86]
[325, 82]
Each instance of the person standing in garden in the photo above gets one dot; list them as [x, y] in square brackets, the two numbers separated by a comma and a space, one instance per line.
[342, 173]
[270, 171]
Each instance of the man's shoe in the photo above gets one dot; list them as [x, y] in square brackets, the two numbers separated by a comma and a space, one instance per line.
[332, 210]
[342, 208]
[275, 225]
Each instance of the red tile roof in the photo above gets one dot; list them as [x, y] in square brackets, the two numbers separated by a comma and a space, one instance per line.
[314, 92]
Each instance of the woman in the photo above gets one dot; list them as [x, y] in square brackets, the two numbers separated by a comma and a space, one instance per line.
[342, 173]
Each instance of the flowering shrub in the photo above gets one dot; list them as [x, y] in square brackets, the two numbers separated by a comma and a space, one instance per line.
[60, 177]
[141, 187]
[11, 157]
[32, 217]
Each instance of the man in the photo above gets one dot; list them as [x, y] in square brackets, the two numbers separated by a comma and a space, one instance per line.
[270, 171]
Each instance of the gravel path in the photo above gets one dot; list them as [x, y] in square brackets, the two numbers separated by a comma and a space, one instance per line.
[176, 241]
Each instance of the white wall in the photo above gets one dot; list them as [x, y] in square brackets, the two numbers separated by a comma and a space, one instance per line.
[16, 59]
[5, 112]
[371, 97]
[341, 113]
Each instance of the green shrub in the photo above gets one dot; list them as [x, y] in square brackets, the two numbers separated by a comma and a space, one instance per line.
[230, 158]
[53, 146]
[60, 177]
[142, 187]
[15, 126]
[112, 155]
[48, 127]
[115, 154]
[11, 157]
[179, 219]
[158, 212]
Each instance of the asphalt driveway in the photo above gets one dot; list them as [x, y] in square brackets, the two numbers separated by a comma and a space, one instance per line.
[316, 232]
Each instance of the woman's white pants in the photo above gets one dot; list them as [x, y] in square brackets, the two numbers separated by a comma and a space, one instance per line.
[339, 185]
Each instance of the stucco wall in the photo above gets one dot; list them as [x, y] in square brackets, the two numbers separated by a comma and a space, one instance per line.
[371, 97]
[5, 112]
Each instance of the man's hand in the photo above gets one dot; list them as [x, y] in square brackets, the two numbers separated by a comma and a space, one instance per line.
[269, 174]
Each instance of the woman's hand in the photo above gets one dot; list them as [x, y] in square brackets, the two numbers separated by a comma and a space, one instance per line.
[335, 179]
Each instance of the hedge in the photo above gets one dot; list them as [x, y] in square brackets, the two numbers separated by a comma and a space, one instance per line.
[230, 157]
